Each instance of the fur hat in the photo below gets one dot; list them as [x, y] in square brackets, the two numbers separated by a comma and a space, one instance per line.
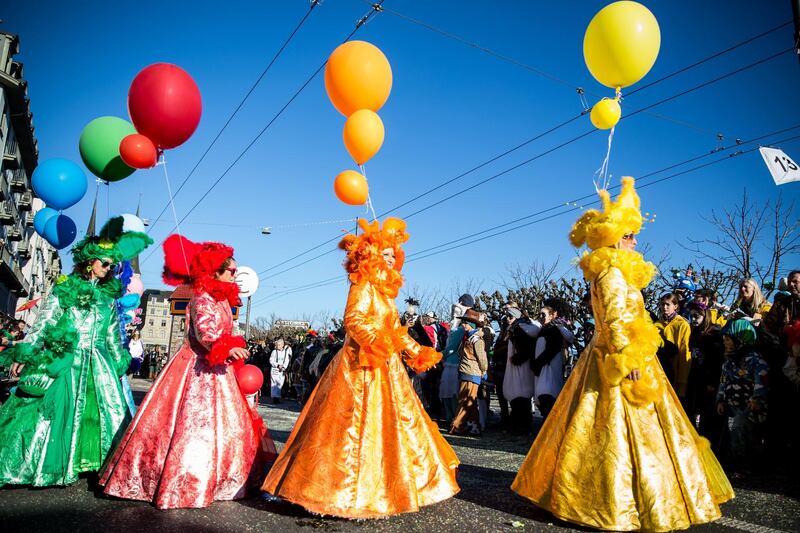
[186, 261]
[600, 229]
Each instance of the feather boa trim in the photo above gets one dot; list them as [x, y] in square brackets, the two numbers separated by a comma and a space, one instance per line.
[636, 271]
[221, 349]
[219, 290]
[425, 359]
[639, 354]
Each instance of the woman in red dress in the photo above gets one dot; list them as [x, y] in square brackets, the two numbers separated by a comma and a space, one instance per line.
[195, 439]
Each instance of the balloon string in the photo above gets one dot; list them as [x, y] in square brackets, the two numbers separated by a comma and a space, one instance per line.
[601, 179]
[370, 207]
[163, 163]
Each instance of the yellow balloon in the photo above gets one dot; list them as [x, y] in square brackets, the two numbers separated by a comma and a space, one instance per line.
[605, 114]
[621, 44]
[363, 135]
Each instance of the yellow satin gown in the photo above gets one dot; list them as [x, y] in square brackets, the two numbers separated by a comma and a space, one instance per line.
[363, 446]
[616, 454]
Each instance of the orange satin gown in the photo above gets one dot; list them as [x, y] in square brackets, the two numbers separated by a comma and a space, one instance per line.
[363, 447]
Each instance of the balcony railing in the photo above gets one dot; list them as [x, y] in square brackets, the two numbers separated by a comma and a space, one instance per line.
[18, 180]
[14, 234]
[6, 212]
[24, 250]
[25, 201]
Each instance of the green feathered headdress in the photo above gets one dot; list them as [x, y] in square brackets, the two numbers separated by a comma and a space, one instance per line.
[116, 241]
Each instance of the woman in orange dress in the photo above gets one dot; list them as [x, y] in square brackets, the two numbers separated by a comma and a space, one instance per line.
[363, 447]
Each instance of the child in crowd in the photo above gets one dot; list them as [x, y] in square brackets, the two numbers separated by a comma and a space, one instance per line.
[742, 394]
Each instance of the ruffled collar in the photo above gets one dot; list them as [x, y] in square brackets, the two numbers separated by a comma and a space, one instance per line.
[387, 281]
[75, 291]
[219, 290]
[636, 271]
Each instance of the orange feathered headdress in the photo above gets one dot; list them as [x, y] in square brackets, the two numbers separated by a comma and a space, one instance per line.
[187, 262]
[599, 229]
[365, 260]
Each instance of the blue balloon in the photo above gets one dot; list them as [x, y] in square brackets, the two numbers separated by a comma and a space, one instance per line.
[42, 216]
[59, 182]
[60, 231]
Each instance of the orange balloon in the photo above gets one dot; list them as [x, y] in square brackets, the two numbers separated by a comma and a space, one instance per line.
[358, 76]
[363, 135]
[351, 188]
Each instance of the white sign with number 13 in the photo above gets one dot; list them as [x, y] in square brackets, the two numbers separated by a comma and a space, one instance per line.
[780, 165]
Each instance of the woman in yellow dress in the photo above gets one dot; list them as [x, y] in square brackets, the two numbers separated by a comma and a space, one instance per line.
[617, 451]
[363, 447]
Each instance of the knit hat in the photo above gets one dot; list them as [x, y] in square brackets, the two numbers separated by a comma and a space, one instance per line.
[741, 330]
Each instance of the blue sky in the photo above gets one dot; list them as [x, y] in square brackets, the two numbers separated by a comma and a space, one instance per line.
[452, 107]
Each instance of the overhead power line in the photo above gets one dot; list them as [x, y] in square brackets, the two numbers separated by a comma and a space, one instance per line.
[518, 165]
[363, 20]
[314, 3]
[562, 208]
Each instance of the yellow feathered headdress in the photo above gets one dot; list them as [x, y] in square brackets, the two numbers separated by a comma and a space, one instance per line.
[598, 229]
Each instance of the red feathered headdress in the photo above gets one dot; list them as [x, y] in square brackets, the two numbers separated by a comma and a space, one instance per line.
[187, 262]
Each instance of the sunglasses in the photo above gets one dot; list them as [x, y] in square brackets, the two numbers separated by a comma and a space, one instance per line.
[108, 264]
[629, 236]
[231, 270]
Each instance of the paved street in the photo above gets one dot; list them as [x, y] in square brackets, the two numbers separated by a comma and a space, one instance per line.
[485, 503]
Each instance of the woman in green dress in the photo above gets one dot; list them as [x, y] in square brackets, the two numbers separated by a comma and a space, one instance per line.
[69, 408]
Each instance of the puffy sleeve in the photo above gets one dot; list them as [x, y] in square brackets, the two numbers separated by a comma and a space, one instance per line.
[359, 319]
[612, 290]
[374, 339]
[208, 324]
[118, 355]
[26, 352]
[419, 358]
[632, 339]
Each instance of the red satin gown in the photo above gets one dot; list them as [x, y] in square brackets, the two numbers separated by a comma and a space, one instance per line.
[194, 439]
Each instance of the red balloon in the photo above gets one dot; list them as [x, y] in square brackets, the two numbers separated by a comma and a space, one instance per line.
[138, 151]
[250, 379]
[164, 104]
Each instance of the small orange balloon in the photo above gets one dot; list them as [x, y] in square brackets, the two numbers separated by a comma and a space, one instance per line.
[363, 135]
[351, 188]
[358, 76]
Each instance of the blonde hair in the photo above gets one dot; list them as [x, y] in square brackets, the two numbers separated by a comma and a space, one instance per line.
[754, 306]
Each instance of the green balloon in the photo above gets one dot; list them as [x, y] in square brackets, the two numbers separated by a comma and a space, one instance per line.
[99, 147]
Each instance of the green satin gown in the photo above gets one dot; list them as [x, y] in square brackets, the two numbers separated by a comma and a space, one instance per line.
[69, 407]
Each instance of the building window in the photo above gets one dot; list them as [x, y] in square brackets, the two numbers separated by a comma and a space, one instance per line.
[163, 323]
[150, 322]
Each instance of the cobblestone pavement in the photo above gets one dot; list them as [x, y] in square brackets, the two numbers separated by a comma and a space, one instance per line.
[485, 502]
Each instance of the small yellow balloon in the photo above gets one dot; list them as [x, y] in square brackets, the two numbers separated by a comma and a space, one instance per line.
[363, 135]
[605, 114]
[351, 187]
[621, 43]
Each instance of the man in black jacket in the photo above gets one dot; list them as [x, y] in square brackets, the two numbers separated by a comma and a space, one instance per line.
[548, 363]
